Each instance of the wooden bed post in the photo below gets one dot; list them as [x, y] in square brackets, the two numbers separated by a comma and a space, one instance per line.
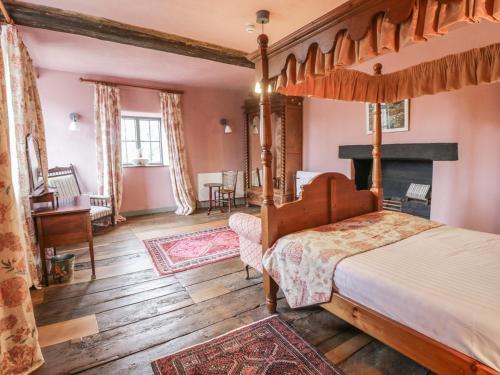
[377, 189]
[269, 226]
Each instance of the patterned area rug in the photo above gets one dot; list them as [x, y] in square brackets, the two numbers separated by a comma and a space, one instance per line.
[185, 251]
[268, 347]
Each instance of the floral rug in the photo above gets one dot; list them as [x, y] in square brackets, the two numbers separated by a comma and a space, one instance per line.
[185, 251]
[268, 347]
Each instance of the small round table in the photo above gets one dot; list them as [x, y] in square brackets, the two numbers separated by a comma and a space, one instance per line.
[210, 186]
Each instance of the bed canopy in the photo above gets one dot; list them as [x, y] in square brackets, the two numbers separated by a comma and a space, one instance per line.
[453, 72]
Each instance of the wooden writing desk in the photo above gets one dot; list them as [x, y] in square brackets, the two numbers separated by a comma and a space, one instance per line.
[65, 225]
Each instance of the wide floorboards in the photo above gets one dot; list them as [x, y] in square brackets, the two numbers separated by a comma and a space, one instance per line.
[130, 316]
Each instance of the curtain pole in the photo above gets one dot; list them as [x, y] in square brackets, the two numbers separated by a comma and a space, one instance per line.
[377, 189]
[6, 14]
[170, 91]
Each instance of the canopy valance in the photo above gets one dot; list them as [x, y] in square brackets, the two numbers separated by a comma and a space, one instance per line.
[452, 72]
[384, 33]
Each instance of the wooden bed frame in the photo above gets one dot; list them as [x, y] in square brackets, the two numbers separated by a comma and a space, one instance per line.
[329, 198]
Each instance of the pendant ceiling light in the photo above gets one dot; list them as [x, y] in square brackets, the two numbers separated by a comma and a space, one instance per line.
[262, 19]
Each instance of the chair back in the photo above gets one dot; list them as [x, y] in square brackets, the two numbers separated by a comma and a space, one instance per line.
[229, 180]
[64, 180]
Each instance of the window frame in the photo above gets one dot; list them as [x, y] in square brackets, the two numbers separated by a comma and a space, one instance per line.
[137, 120]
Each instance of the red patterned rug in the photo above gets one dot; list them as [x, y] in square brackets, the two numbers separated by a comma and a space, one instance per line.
[267, 347]
[185, 251]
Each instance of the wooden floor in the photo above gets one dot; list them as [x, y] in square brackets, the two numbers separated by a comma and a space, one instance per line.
[139, 316]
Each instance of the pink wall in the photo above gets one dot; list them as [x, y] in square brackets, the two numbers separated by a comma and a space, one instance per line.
[466, 192]
[209, 149]
[61, 94]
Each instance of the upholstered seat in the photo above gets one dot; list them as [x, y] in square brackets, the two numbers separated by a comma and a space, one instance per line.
[249, 230]
[99, 212]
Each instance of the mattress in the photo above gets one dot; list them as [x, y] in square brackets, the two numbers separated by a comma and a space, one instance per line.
[443, 283]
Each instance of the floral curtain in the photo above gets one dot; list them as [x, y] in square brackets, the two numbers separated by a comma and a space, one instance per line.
[19, 349]
[179, 174]
[108, 144]
[25, 118]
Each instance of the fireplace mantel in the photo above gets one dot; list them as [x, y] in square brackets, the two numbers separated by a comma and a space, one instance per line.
[404, 151]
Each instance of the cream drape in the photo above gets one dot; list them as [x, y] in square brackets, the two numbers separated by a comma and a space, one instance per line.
[452, 72]
[20, 352]
[25, 118]
[429, 18]
[107, 120]
[179, 174]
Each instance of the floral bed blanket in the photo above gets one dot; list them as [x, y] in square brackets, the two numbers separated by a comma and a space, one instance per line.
[303, 263]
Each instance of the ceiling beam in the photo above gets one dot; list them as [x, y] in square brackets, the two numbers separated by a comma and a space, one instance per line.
[49, 18]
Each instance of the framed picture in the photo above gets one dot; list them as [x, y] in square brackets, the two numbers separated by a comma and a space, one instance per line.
[395, 116]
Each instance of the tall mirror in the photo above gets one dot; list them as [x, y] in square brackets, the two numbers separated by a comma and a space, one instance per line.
[276, 148]
[34, 165]
[255, 150]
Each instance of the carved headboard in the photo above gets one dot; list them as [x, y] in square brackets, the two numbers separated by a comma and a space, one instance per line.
[328, 198]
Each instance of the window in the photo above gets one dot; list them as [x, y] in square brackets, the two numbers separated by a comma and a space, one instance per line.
[143, 135]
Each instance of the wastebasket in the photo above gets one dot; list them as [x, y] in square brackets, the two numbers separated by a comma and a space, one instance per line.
[63, 267]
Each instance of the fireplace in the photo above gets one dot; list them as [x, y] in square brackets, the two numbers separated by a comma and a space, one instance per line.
[407, 171]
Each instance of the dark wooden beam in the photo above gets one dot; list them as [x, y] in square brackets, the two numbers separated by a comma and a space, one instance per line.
[55, 19]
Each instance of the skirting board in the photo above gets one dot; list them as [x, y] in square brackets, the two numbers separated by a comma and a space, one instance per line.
[239, 202]
[148, 211]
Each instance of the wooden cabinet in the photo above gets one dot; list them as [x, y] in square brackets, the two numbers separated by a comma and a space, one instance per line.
[67, 224]
[286, 127]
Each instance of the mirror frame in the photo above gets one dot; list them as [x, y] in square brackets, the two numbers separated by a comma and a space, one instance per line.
[32, 146]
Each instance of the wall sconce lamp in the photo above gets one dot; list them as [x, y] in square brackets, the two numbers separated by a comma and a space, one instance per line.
[227, 127]
[73, 125]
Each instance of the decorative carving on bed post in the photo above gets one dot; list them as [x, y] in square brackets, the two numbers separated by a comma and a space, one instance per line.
[269, 226]
[377, 189]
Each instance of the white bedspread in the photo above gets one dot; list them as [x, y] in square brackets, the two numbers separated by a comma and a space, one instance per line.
[444, 283]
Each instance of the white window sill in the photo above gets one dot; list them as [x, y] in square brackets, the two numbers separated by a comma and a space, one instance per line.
[144, 166]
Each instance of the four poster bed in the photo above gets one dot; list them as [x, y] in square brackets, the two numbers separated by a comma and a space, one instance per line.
[330, 207]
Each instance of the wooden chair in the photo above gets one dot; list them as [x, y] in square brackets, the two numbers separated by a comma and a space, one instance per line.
[64, 180]
[227, 192]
